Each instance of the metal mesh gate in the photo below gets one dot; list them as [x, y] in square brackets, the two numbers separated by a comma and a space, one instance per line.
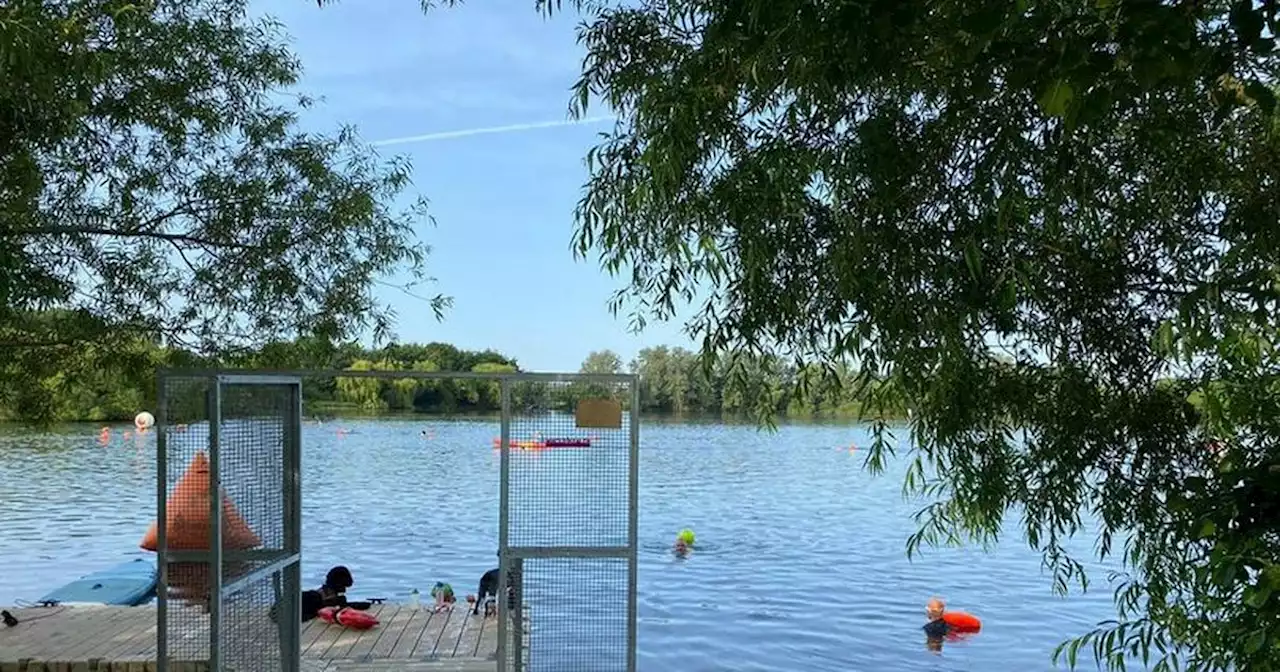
[229, 536]
[568, 523]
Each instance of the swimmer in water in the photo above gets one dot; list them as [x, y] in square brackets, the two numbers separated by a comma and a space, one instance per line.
[684, 544]
[937, 628]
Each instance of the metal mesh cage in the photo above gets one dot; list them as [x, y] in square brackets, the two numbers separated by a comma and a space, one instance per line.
[241, 430]
[567, 524]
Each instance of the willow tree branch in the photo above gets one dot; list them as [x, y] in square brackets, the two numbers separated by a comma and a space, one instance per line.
[93, 231]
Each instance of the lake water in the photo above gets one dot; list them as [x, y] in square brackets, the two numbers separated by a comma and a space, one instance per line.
[800, 561]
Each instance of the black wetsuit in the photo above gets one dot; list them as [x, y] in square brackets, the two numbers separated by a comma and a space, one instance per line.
[315, 600]
[936, 629]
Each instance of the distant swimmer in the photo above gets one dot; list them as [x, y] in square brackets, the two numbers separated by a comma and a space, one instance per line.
[937, 627]
[684, 542]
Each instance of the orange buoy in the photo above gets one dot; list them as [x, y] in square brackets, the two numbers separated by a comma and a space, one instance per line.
[348, 617]
[962, 622]
[187, 524]
[539, 444]
[520, 445]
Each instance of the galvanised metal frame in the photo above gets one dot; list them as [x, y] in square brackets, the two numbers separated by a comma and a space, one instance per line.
[287, 562]
[514, 556]
[509, 556]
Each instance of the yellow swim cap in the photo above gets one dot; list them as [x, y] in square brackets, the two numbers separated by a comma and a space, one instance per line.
[686, 535]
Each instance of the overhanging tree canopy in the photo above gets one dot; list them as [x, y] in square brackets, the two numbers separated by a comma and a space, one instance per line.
[155, 185]
[1093, 187]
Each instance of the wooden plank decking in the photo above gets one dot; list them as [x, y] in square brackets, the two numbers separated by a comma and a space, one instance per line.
[123, 639]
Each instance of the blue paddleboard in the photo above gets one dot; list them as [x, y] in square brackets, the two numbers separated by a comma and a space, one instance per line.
[127, 584]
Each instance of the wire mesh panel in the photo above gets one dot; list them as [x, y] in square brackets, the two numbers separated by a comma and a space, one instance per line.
[568, 521]
[183, 482]
[259, 473]
[577, 613]
[230, 493]
[250, 639]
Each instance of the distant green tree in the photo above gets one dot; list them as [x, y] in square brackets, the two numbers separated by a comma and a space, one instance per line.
[651, 365]
[599, 362]
[487, 394]
[365, 392]
[153, 187]
[602, 362]
[673, 381]
[416, 394]
[908, 185]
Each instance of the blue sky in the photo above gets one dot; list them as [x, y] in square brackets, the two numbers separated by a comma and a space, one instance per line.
[503, 202]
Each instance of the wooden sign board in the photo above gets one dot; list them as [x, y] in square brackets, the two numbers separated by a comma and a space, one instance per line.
[598, 414]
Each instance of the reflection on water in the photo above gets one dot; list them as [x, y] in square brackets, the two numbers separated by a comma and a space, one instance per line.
[799, 563]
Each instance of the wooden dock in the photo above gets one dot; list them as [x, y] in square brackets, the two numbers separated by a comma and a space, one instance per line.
[123, 639]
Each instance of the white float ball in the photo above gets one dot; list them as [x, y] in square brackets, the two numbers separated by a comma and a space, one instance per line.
[144, 420]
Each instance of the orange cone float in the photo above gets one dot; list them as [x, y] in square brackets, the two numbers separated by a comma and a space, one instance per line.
[188, 528]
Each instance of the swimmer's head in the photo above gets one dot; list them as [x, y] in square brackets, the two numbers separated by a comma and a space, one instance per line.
[681, 546]
[935, 608]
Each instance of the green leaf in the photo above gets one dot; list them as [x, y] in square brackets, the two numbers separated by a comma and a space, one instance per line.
[1263, 95]
[1255, 641]
[1056, 98]
[1256, 596]
[1164, 339]
[1270, 576]
[1207, 529]
[973, 259]
[1009, 295]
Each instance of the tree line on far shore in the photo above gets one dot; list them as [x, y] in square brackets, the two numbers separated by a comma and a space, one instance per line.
[673, 381]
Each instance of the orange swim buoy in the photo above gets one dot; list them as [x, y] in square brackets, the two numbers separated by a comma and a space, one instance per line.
[187, 525]
[520, 445]
[539, 444]
[962, 622]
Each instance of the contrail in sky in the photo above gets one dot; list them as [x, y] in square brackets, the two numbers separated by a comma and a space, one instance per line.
[467, 132]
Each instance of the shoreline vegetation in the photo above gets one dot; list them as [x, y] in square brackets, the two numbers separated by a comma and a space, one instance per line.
[674, 384]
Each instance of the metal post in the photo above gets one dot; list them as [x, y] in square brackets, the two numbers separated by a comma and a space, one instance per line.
[517, 657]
[162, 524]
[215, 526]
[633, 522]
[280, 614]
[504, 521]
[291, 654]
